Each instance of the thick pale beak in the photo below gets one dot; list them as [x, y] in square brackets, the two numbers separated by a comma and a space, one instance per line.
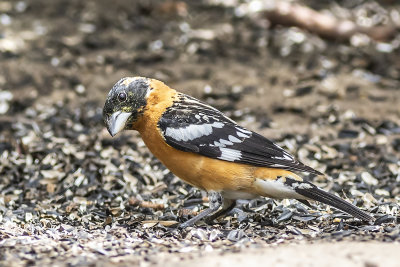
[117, 122]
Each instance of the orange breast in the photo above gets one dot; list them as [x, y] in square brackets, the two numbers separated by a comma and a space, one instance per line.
[200, 171]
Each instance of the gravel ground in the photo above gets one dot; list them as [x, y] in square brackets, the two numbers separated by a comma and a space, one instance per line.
[71, 195]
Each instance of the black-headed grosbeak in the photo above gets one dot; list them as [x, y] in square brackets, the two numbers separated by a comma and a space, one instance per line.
[208, 150]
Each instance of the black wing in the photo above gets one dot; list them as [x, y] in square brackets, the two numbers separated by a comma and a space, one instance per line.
[193, 126]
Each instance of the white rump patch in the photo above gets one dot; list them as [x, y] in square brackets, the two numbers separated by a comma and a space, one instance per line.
[276, 189]
[192, 132]
[230, 154]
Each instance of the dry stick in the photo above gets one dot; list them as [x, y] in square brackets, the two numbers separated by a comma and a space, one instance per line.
[325, 25]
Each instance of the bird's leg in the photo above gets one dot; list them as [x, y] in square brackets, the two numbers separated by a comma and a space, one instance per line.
[215, 200]
[228, 205]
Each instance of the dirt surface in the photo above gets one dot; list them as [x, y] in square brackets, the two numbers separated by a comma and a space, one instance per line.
[71, 195]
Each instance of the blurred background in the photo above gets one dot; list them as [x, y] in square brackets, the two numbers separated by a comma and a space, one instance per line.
[346, 51]
[321, 78]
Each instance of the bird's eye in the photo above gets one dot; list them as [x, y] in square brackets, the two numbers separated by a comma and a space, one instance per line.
[122, 96]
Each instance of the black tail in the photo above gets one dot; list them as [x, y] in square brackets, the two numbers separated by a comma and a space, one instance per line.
[313, 192]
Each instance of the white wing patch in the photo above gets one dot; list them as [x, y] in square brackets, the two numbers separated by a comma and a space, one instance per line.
[225, 142]
[192, 131]
[218, 124]
[234, 139]
[285, 156]
[276, 165]
[230, 154]
[242, 132]
[218, 144]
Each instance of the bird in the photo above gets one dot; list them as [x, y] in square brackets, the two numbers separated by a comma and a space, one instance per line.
[210, 151]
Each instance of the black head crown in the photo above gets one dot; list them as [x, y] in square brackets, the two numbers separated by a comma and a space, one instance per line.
[125, 103]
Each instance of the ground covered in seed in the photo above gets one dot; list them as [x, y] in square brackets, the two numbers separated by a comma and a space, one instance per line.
[72, 195]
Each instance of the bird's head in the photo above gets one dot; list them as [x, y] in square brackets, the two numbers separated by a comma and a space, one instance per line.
[125, 103]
